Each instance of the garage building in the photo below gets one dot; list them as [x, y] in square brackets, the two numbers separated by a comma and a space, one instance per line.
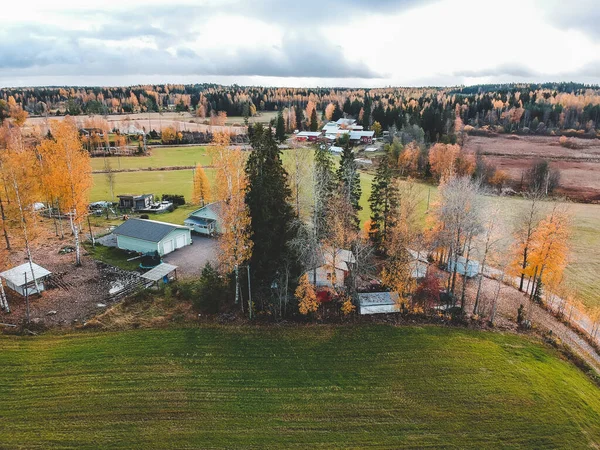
[150, 236]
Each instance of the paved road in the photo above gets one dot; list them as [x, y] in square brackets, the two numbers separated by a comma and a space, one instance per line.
[191, 259]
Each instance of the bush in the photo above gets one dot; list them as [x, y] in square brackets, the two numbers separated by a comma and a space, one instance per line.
[178, 200]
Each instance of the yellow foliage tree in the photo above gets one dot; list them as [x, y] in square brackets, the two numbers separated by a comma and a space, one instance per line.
[235, 245]
[306, 296]
[168, 135]
[69, 174]
[201, 194]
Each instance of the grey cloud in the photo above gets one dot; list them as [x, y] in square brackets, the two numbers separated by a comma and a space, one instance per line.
[513, 70]
[582, 15]
[298, 56]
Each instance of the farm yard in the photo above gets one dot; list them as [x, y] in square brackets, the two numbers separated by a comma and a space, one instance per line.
[579, 166]
[581, 273]
[295, 387]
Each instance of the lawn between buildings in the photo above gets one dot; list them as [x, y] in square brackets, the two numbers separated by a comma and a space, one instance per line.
[292, 387]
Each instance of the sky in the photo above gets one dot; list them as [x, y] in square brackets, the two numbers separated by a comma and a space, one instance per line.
[350, 43]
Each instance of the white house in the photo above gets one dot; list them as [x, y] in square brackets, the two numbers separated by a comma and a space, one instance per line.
[332, 268]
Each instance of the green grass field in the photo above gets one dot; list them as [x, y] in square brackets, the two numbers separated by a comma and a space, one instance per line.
[160, 157]
[302, 387]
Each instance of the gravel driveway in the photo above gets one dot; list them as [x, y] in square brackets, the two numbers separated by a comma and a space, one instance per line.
[191, 259]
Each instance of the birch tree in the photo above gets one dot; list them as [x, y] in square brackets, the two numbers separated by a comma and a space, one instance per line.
[22, 188]
[71, 172]
[235, 246]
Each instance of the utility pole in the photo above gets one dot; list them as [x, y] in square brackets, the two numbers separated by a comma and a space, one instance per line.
[91, 233]
[249, 293]
[27, 297]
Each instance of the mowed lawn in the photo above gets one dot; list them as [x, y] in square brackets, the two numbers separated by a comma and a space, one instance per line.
[335, 387]
[159, 157]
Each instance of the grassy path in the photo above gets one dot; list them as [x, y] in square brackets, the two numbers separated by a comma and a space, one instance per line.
[335, 387]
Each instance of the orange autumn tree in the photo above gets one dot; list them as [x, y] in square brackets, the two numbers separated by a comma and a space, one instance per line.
[201, 194]
[235, 246]
[442, 158]
[550, 251]
[69, 174]
[306, 296]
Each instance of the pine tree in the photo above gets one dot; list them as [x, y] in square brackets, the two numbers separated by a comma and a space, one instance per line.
[384, 202]
[271, 216]
[280, 128]
[349, 184]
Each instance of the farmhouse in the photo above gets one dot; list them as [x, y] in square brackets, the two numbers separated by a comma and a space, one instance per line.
[364, 137]
[206, 220]
[20, 279]
[135, 202]
[378, 302]
[310, 136]
[332, 269]
[150, 236]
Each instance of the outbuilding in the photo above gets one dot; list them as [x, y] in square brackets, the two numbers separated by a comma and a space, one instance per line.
[378, 303]
[22, 279]
[470, 268]
[149, 236]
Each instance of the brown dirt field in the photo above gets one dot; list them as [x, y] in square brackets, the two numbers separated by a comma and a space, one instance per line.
[88, 285]
[580, 167]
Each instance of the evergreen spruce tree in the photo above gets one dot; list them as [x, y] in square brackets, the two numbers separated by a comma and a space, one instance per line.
[384, 203]
[366, 120]
[337, 113]
[299, 117]
[280, 128]
[271, 217]
[349, 183]
[314, 121]
[324, 187]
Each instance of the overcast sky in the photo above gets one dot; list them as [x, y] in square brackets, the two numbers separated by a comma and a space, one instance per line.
[298, 43]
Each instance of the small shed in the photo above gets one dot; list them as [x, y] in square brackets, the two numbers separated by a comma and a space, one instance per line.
[471, 268]
[150, 236]
[206, 220]
[20, 279]
[163, 272]
[378, 302]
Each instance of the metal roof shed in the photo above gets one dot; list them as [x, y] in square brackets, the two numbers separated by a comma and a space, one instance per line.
[160, 272]
[20, 279]
[378, 302]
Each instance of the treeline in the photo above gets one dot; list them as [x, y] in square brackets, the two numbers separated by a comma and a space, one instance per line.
[528, 108]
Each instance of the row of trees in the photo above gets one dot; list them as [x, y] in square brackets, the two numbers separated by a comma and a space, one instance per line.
[55, 169]
[510, 108]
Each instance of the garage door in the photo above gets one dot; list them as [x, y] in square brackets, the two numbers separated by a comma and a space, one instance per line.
[168, 246]
[180, 241]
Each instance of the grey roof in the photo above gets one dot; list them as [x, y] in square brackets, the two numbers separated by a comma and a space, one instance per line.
[378, 302]
[215, 207]
[146, 230]
[159, 272]
[16, 275]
